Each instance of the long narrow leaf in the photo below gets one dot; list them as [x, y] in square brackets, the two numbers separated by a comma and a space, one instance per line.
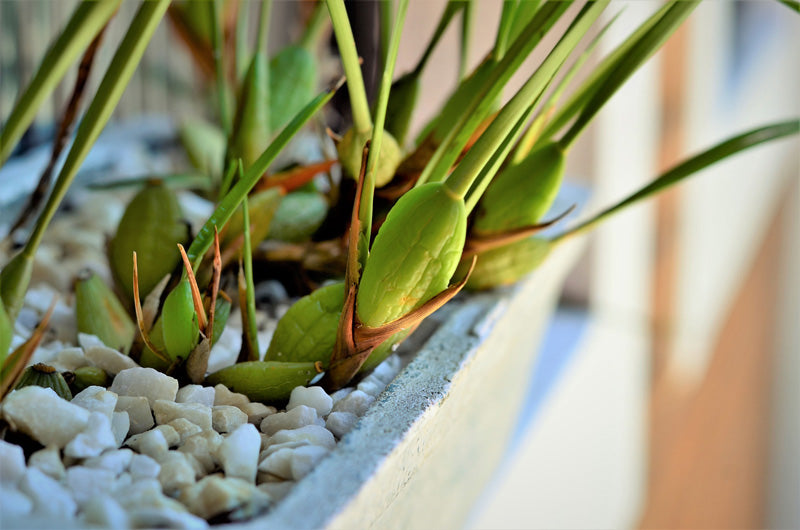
[228, 204]
[87, 20]
[687, 168]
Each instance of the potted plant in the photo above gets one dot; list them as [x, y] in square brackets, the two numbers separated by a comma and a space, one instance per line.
[405, 228]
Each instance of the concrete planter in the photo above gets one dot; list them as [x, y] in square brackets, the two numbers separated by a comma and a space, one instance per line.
[429, 444]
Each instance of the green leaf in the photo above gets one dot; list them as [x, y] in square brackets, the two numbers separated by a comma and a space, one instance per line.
[687, 168]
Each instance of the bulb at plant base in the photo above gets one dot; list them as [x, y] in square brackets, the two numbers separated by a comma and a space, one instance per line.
[351, 147]
[507, 264]
[99, 312]
[521, 194]
[45, 376]
[152, 225]
[414, 255]
[251, 132]
[179, 322]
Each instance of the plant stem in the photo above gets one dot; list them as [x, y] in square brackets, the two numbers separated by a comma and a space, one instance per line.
[215, 8]
[688, 167]
[262, 37]
[251, 328]
[460, 181]
[84, 24]
[466, 32]
[362, 122]
[365, 210]
[452, 8]
[504, 28]
[315, 28]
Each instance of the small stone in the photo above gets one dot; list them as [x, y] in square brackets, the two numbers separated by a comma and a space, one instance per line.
[315, 434]
[300, 416]
[274, 448]
[143, 467]
[13, 502]
[202, 449]
[278, 463]
[357, 402]
[139, 414]
[150, 443]
[341, 394]
[238, 453]
[120, 426]
[97, 399]
[176, 472]
[226, 418]
[340, 423]
[109, 360]
[166, 411]
[223, 396]
[12, 463]
[305, 458]
[196, 394]
[143, 492]
[94, 439]
[387, 370]
[146, 382]
[48, 496]
[256, 412]
[313, 396]
[171, 435]
[70, 359]
[87, 482]
[105, 512]
[371, 386]
[216, 495]
[47, 418]
[184, 428]
[48, 461]
[115, 461]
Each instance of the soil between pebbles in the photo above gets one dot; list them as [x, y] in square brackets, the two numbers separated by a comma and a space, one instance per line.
[145, 452]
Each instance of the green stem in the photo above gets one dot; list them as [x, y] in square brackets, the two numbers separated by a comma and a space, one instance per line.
[467, 18]
[386, 10]
[242, 53]
[504, 28]
[365, 210]
[352, 69]
[698, 162]
[315, 28]
[262, 37]
[84, 24]
[452, 8]
[460, 181]
[247, 257]
[478, 108]
[215, 8]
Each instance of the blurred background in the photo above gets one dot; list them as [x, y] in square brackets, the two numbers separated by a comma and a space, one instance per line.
[672, 398]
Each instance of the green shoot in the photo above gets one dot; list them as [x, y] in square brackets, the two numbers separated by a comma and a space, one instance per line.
[250, 332]
[467, 18]
[215, 14]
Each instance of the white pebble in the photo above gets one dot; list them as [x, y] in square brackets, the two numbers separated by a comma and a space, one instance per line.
[40, 413]
[184, 428]
[371, 386]
[357, 402]
[315, 434]
[13, 502]
[305, 458]
[387, 370]
[146, 382]
[139, 414]
[97, 399]
[105, 512]
[143, 467]
[216, 495]
[196, 394]
[170, 435]
[223, 396]
[274, 448]
[202, 448]
[313, 396]
[109, 360]
[166, 411]
[176, 472]
[144, 492]
[226, 418]
[300, 416]
[276, 490]
[48, 496]
[120, 426]
[341, 394]
[12, 463]
[71, 359]
[115, 461]
[87, 482]
[238, 453]
[94, 439]
[278, 463]
[165, 518]
[257, 411]
[150, 443]
[340, 423]
[48, 461]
